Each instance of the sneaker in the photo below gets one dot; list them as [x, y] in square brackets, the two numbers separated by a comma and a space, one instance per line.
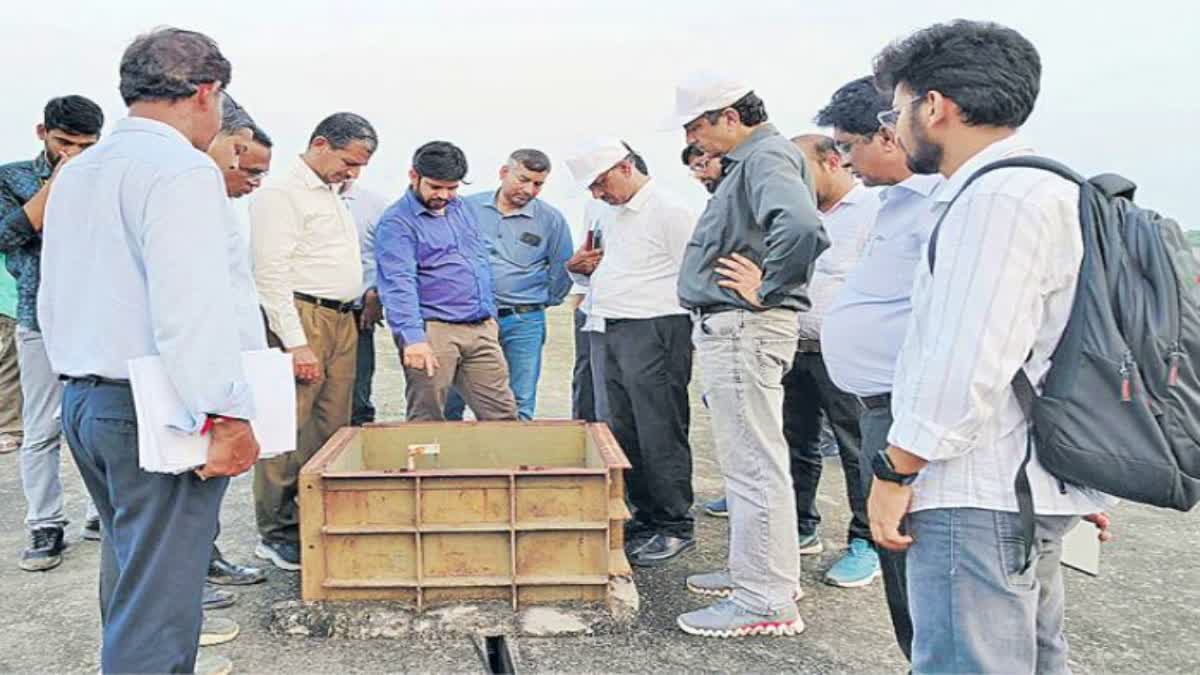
[91, 530]
[717, 508]
[225, 573]
[9, 443]
[720, 584]
[212, 664]
[283, 554]
[217, 630]
[45, 550]
[811, 544]
[858, 567]
[215, 598]
[726, 618]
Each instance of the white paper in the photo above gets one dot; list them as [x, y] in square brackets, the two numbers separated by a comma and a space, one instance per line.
[1081, 548]
[163, 449]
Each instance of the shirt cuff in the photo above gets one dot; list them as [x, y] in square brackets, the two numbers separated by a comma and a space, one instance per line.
[237, 402]
[925, 439]
[412, 336]
[293, 338]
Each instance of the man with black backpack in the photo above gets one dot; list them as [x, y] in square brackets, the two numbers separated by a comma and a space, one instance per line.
[993, 298]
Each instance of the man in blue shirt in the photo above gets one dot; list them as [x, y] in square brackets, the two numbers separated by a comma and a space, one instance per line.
[864, 326]
[435, 282]
[530, 245]
[70, 124]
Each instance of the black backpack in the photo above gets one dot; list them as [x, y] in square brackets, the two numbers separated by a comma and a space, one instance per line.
[1120, 407]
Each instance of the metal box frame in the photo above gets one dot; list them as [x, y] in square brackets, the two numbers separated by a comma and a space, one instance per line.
[529, 512]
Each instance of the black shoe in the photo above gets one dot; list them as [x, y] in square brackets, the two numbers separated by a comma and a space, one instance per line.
[635, 543]
[224, 573]
[660, 549]
[215, 598]
[45, 550]
[283, 554]
[91, 530]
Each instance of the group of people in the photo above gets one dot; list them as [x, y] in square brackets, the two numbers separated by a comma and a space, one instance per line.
[805, 289]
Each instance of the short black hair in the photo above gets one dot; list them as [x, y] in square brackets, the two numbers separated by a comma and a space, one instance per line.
[166, 65]
[990, 71]
[533, 160]
[636, 159]
[261, 137]
[853, 108]
[343, 128]
[440, 160]
[73, 114]
[690, 153]
[750, 108]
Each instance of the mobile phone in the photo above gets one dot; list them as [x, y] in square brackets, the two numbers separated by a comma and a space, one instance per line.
[596, 240]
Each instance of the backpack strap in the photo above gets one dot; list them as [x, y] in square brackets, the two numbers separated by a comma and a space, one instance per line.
[1022, 387]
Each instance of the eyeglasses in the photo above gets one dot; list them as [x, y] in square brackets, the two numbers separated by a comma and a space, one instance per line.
[844, 147]
[888, 118]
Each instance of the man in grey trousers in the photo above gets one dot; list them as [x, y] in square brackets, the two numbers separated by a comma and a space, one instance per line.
[762, 216]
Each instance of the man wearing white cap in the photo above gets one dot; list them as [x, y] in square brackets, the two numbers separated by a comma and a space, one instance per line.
[649, 354]
[762, 217]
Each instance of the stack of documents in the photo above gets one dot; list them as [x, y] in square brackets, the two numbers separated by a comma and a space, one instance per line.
[164, 449]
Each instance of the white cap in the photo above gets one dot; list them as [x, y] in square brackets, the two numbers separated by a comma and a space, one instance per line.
[595, 156]
[701, 92]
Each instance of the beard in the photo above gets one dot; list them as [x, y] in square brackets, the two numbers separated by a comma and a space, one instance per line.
[925, 157]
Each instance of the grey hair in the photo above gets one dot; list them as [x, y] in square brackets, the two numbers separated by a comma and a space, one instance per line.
[343, 128]
[533, 160]
[261, 137]
[166, 64]
[234, 117]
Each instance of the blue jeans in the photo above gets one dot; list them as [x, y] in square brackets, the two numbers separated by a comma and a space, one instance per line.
[521, 337]
[150, 582]
[973, 609]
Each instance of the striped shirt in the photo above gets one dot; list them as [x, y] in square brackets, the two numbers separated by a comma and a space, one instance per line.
[1008, 262]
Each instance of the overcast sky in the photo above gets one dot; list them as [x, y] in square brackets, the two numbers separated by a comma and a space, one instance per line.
[1118, 90]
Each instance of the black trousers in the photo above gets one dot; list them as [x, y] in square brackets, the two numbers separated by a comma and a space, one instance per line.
[876, 423]
[583, 397]
[648, 368]
[807, 390]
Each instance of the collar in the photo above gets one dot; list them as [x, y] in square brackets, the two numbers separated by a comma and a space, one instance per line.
[147, 125]
[307, 177]
[918, 184]
[41, 166]
[639, 199]
[761, 133]
[525, 211]
[1006, 147]
[417, 208]
[855, 194]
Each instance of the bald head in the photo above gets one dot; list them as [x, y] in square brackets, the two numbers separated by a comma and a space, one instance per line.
[830, 178]
[815, 146]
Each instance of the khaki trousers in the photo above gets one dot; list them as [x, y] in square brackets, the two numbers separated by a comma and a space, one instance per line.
[470, 360]
[10, 379]
[322, 408]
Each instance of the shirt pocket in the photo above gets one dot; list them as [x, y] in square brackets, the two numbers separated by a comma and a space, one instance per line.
[525, 248]
[889, 270]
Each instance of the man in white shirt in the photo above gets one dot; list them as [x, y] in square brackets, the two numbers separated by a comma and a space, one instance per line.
[308, 267]
[848, 212]
[865, 324]
[1007, 264]
[366, 207]
[647, 337]
[136, 248]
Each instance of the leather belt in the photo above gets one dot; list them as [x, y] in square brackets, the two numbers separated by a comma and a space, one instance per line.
[698, 312]
[93, 380]
[877, 401]
[336, 305]
[519, 309]
[805, 346]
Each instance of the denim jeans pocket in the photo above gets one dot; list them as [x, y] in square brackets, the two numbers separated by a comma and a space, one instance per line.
[1011, 545]
[722, 326]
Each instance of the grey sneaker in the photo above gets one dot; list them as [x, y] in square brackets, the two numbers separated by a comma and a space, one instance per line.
[726, 619]
[811, 544]
[217, 630]
[720, 584]
[213, 664]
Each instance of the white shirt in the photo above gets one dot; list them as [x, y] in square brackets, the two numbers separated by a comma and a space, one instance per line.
[139, 258]
[644, 242]
[848, 225]
[366, 207]
[304, 240]
[1008, 257]
[864, 327]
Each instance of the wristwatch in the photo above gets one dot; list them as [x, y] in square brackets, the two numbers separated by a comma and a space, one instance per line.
[882, 467]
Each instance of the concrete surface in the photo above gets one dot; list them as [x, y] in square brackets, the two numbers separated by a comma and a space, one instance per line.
[1142, 615]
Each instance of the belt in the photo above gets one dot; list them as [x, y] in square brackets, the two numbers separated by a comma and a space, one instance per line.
[93, 380]
[519, 309]
[808, 346]
[336, 305]
[712, 309]
[877, 401]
